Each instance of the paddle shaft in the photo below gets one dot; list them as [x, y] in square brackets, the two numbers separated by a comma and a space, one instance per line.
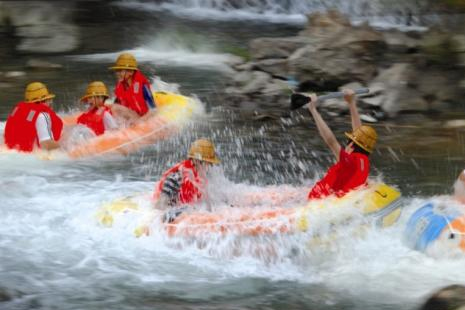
[340, 94]
[299, 100]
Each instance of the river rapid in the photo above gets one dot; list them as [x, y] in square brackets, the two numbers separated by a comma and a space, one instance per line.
[55, 255]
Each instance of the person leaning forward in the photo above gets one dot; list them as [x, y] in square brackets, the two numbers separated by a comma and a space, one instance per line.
[353, 164]
[33, 123]
[133, 92]
[184, 184]
[98, 117]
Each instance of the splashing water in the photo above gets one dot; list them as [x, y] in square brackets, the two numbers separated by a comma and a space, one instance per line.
[380, 13]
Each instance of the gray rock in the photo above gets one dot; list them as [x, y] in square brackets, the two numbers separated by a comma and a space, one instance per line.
[277, 86]
[375, 101]
[257, 83]
[400, 42]
[5, 295]
[368, 118]
[449, 298]
[462, 84]
[394, 81]
[437, 48]
[6, 85]
[264, 48]
[324, 24]
[42, 65]
[42, 26]
[276, 67]
[14, 74]
[340, 58]
[234, 60]
[352, 85]
[458, 45]
[456, 123]
[338, 66]
[247, 66]
[242, 77]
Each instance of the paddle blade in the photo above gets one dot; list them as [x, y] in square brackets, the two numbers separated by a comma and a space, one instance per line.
[298, 101]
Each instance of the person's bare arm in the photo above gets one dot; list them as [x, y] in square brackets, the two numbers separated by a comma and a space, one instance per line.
[349, 97]
[49, 145]
[125, 113]
[324, 130]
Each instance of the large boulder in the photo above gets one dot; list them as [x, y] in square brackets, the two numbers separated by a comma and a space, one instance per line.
[264, 48]
[395, 93]
[275, 67]
[458, 45]
[406, 88]
[330, 66]
[325, 24]
[42, 26]
[402, 42]
[449, 298]
[340, 58]
[438, 49]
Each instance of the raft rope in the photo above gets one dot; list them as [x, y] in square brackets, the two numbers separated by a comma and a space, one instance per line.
[134, 140]
[453, 231]
[113, 149]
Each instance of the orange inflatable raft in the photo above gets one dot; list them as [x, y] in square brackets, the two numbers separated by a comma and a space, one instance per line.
[172, 112]
[380, 202]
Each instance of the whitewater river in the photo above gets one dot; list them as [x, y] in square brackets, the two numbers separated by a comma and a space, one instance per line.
[55, 255]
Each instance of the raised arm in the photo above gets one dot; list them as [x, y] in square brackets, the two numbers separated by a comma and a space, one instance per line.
[349, 97]
[325, 132]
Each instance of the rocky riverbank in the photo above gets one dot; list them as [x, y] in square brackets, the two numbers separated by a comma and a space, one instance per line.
[407, 71]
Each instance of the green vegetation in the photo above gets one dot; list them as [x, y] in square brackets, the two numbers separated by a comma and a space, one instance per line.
[238, 51]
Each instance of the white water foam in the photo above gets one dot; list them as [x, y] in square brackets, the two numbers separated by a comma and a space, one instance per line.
[52, 246]
[53, 249]
[172, 56]
[380, 13]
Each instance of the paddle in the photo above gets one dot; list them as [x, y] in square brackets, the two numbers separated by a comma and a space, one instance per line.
[299, 100]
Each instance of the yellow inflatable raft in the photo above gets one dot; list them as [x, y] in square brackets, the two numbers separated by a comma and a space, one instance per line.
[379, 202]
[172, 112]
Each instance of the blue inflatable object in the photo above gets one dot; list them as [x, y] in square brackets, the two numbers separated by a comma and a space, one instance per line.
[425, 226]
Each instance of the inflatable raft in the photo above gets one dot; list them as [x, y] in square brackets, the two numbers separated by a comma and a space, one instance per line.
[379, 204]
[438, 227]
[172, 112]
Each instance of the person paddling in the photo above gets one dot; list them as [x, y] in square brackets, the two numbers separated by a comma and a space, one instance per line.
[353, 164]
[133, 91]
[185, 183]
[98, 117]
[33, 123]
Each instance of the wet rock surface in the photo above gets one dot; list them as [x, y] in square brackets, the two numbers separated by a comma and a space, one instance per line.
[42, 26]
[407, 72]
[449, 298]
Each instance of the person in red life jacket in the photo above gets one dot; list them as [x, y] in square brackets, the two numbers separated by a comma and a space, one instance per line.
[98, 117]
[353, 165]
[184, 184]
[33, 123]
[133, 91]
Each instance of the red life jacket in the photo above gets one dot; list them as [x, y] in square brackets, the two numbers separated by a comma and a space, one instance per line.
[189, 191]
[20, 129]
[350, 172]
[132, 96]
[93, 119]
